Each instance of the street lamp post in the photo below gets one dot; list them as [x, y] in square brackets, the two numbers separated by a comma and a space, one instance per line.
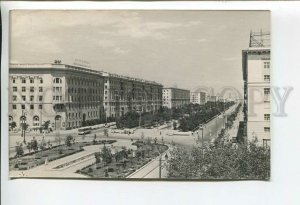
[160, 166]
[201, 127]
[23, 126]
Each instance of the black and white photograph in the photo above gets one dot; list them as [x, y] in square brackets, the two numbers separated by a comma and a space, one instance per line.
[140, 94]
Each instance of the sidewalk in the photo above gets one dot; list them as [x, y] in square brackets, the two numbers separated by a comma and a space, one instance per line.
[231, 133]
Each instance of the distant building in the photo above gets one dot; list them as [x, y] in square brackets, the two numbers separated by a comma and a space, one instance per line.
[175, 97]
[198, 98]
[212, 98]
[123, 94]
[66, 95]
[256, 74]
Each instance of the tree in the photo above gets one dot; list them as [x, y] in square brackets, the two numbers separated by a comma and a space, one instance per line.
[46, 124]
[69, 140]
[174, 125]
[29, 146]
[34, 145]
[49, 144]
[98, 157]
[105, 132]
[94, 140]
[142, 136]
[43, 144]
[12, 125]
[223, 161]
[106, 155]
[24, 126]
[19, 149]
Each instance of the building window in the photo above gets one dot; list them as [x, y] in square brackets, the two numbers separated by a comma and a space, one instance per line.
[40, 89]
[14, 107]
[15, 89]
[14, 98]
[23, 80]
[266, 143]
[57, 80]
[40, 107]
[31, 107]
[32, 89]
[23, 89]
[24, 98]
[266, 129]
[267, 65]
[267, 78]
[41, 80]
[36, 121]
[267, 91]
[31, 80]
[40, 98]
[23, 107]
[31, 98]
[267, 117]
[14, 80]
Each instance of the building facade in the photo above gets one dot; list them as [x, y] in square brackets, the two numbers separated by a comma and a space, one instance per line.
[65, 95]
[175, 97]
[123, 94]
[212, 98]
[256, 74]
[198, 98]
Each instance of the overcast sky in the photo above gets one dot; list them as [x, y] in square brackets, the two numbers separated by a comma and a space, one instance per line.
[186, 49]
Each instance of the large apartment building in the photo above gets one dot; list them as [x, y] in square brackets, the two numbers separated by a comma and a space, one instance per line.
[65, 95]
[123, 94]
[69, 95]
[198, 98]
[175, 97]
[256, 74]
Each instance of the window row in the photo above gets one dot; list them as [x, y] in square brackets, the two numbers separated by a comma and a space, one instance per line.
[83, 90]
[57, 97]
[14, 107]
[31, 80]
[57, 89]
[31, 89]
[14, 98]
[83, 82]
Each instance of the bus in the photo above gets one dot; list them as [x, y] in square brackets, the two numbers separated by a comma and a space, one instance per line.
[85, 130]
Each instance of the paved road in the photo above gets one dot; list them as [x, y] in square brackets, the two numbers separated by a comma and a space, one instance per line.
[151, 170]
[213, 127]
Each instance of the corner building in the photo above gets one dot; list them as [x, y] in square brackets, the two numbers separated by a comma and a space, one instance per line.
[65, 95]
[256, 74]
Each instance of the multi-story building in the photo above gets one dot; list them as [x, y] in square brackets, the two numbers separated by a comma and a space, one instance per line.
[212, 98]
[198, 98]
[65, 95]
[123, 94]
[256, 75]
[175, 97]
